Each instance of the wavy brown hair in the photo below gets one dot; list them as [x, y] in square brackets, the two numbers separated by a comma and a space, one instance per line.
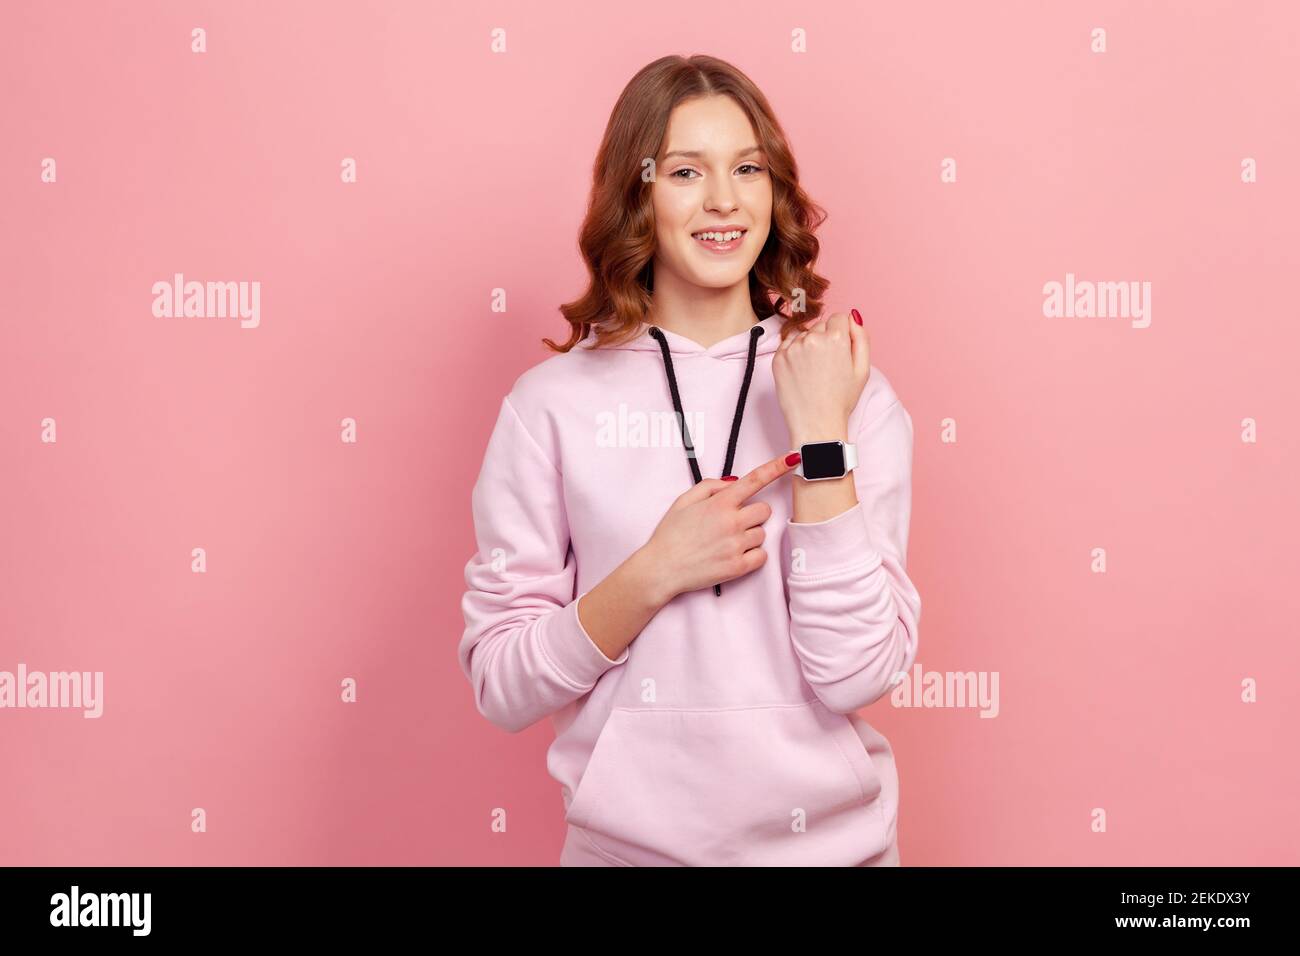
[617, 238]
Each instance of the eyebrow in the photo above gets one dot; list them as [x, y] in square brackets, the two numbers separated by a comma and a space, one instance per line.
[696, 154]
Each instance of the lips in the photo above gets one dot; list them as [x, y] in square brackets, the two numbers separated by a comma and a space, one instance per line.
[722, 247]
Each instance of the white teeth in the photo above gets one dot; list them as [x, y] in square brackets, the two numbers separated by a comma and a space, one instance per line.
[719, 236]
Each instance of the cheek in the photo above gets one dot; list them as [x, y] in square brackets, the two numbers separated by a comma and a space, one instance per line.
[668, 239]
[673, 210]
[759, 199]
[671, 237]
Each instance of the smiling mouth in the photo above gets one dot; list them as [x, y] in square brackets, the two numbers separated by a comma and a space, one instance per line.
[720, 240]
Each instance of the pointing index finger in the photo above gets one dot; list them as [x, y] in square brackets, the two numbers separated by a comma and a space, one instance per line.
[759, 478]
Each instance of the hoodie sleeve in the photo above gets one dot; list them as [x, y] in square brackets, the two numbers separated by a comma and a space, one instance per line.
[524, 651]
[854, 612]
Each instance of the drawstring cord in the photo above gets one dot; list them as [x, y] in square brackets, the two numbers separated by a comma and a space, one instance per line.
[754, 335]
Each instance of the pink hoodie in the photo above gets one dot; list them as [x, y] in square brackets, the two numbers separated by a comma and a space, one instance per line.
[725, 733]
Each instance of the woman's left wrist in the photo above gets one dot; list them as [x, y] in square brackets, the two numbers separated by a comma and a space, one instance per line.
[819, 431]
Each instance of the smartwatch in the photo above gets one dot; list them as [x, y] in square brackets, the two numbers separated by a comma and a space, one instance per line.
[824, 460]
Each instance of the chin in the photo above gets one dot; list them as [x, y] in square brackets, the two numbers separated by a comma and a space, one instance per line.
[718, 274]
[718, 280]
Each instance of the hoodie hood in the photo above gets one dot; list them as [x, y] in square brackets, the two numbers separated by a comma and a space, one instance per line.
[732, 347]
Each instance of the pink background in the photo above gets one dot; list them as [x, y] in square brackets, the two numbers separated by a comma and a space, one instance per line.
[327, 560]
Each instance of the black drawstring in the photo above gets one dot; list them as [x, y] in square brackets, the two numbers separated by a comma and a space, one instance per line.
[754, 334]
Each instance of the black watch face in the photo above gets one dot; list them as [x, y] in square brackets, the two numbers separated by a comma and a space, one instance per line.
[823, 460]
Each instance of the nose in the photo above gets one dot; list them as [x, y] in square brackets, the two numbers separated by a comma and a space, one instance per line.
[721, 196]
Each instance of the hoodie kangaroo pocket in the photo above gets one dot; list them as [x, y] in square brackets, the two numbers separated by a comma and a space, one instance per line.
[783, 785]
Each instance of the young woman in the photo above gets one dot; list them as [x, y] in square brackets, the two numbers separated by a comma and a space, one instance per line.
[656, 459]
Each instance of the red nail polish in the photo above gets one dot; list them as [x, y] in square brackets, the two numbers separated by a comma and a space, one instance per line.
[730, 477]
[856, 317]
[793, 458]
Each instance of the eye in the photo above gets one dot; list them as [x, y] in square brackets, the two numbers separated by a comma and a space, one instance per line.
[753, 166]
[685, 169]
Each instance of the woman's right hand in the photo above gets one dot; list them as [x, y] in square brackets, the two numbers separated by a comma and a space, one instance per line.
[709, 534]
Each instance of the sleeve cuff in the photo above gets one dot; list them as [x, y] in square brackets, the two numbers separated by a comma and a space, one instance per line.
[571, 650]
[836, 544]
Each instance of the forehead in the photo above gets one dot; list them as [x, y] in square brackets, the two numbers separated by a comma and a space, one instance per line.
[708, 127]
